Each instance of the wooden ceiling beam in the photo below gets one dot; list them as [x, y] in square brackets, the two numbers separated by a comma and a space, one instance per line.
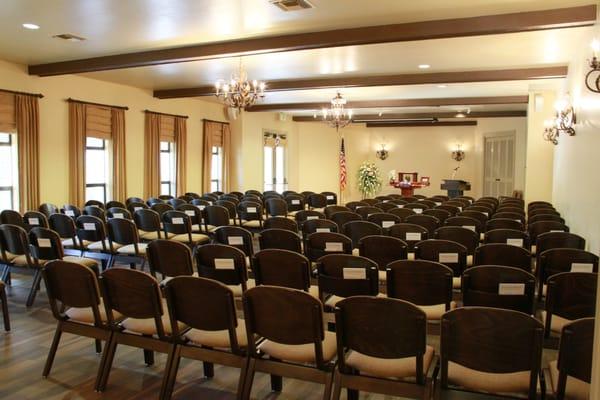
[419, 124]
[425, 30]
[443, 101]
[412, 116]
[514, 74]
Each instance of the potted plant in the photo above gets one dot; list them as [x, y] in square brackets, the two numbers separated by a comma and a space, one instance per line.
[369, 179]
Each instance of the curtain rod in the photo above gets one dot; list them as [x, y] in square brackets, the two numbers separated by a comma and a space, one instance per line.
[212, 120]
[169, 115]
[71, 100]
[24, 93]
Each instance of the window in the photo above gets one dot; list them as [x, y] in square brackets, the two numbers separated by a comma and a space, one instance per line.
[97, 170]
[9, 176]
[216, 169]
[167, 168]
[274, 154]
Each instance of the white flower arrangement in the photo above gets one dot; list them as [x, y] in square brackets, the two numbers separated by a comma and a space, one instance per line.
[369, 179]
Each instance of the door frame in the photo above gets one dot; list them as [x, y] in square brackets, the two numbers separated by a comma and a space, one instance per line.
[491, 135]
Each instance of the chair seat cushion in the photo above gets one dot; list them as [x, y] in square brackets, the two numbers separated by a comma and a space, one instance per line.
[68, 243]
[533, 249]
[88, 262]
[576, 389]
[469, 260]
[388, 367]
[456, 282]
[237, 289]
[252, 224]
[84, 315]
[97, 246]
[436, 311]
[382, 276]
[196, 238]
[153, 235]
[557, 323]
[130, 249]
[21, 260]
[147, 326]
[218, 339]
[300, 353]
[355, 252]
[514, 382]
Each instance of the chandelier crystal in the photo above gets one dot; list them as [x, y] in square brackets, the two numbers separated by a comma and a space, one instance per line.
[239, 92]
[337, 116]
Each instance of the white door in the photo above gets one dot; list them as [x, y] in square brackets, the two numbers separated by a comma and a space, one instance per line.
[499, 165]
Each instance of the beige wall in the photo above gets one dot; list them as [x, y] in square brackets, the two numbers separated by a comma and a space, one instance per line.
[54, 125]
[576, 191]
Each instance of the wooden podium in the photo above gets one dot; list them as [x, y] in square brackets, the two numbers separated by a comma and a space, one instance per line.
[455, 187]
[407, 182]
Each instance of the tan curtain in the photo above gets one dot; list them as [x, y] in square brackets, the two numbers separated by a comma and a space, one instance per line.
[209, 130]
[181, 149]
[28, 143]
[118, 156]
[226, 158]
[152, 155]
[77, 124]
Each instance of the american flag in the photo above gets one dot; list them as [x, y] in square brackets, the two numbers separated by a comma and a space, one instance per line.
[342, 167]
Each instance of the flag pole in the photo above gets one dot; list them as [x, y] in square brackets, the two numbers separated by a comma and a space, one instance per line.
[340, 191]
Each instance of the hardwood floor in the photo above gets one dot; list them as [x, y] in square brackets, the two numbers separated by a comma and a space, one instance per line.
[23, 352]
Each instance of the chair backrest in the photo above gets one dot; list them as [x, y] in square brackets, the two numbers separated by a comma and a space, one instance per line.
[32, 219]
[276, 267]
[307, 215]
[72, 285]
[384, 220]
[316, 200]
[71, 211]
[503, 254]
[94, 203]
[382, 249]
[223, 263]
[401, 330]
[161, 208]
[115, 203]
[134, 199]
[465, 222]
[553, 240]
[555, 261]
[250, 211]
[356, 230]
[63, 225]
[331, 197]
[364, 212]
[537, 228]
[545, 217]
[411, 234]
[11, 217]
[353, 205]
[134, 294]
[453, 210]
[343, 217]
[216, 215]
[509, 215]
[284, 239]
[500, 287]
[187, 295]
[503, 223]
[95, 211]
[318, 225]
[420, 282]
[281, 223]
[428, 222]
[386, 206]
[370, 202]
[122, 231]
[299, 318]
[575, 353]
[491, 340]
[230, 204]
[118, 212]
[47, 209]
[319, 244]
[542, 211]
[332, 209]
[133, 207]
[417, 207]
[45, 244]
[147, 220]
[346, 275]
[165, 197]
[401, 212]
[169, 258]
[13, 239]
[90, 228]
[447, 252]
[295, 202]
[458, 234]
[254, 192]
[486, 209]
[178, 223]
[571, 295]
[276, 207]
[193, 212]
[441, 215]
[237, 237]
[508, 236]
[176, 202]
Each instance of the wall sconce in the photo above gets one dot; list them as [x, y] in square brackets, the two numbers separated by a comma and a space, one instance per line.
[563, 122]
[383, 153]
[594, 85]
[458, 155]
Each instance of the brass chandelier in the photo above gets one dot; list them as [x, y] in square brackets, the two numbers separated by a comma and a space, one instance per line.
[337, 116]
[239, 92]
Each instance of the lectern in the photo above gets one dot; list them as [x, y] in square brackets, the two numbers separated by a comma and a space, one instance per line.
[455, 187]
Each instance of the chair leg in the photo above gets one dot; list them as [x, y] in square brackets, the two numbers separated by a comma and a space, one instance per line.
[242, 380]
[5, 310]
[34, 287]
[209, 369]
[108, 355]
[328, 387]
[352, 394]
[249, 379]
[5, 273]
[276, 381]
[98, 346]
[170, 374]
[148, 357]
[52, 351]
[337, 385]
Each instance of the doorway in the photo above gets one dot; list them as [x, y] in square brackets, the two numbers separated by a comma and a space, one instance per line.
[499, 165]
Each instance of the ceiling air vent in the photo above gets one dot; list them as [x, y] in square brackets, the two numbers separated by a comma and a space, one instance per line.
[70, 37]
[292, 5]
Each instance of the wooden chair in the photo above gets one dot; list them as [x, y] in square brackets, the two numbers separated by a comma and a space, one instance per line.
[417, 207]
[281, 223]
[392, 359]
[91, 234]
[558, 240]
[508, 236]
[453, 210]
[441, 215]
[11, 217]
[76, 305]
[196, 216]
[14, 245]
[148, 223]
[343, 217]
[95, 203]
[538, 228]
[569, 296]
[319, 244]
[479, 216]
[382, 250]
[332, 209]
[356, 230]
[169, 259]
[251, 215]
[237, 237]
[161, 208]
[133, 199]
[343, 275]
[384, 220]
[426, 221]
[48, 209]
[179, 225]
[115, 203]
[458, 234]
[133, 207]
[411, 234]
[555, 261]
[353, 205]
[124, 242]
[136, 315]
[490, 350]
[71, 211]
[118, 212]
[517, 217]
[225, 264]
[307, 215]
[95, 211]
[45, 245]
[276, 267]
[545, 217]
[65, 227]
[276, 207]
[216, 216]
[466, 222]
[280, 239]
[503, 223]
[295, 344]
[449, 253]
[316, 202]
[364, 212]
[4, 304]
[33, 219]
[176, 202]
[370, 202]
[503, 254]
[214, 336]
[295, 202]
[331, 197]
[499, 287]
[483, 208]
[570, 376]
[426, 284]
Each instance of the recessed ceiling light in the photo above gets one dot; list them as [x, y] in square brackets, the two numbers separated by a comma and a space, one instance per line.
[424, 66]
[442, 86]
[30, 26]
[460, 115]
